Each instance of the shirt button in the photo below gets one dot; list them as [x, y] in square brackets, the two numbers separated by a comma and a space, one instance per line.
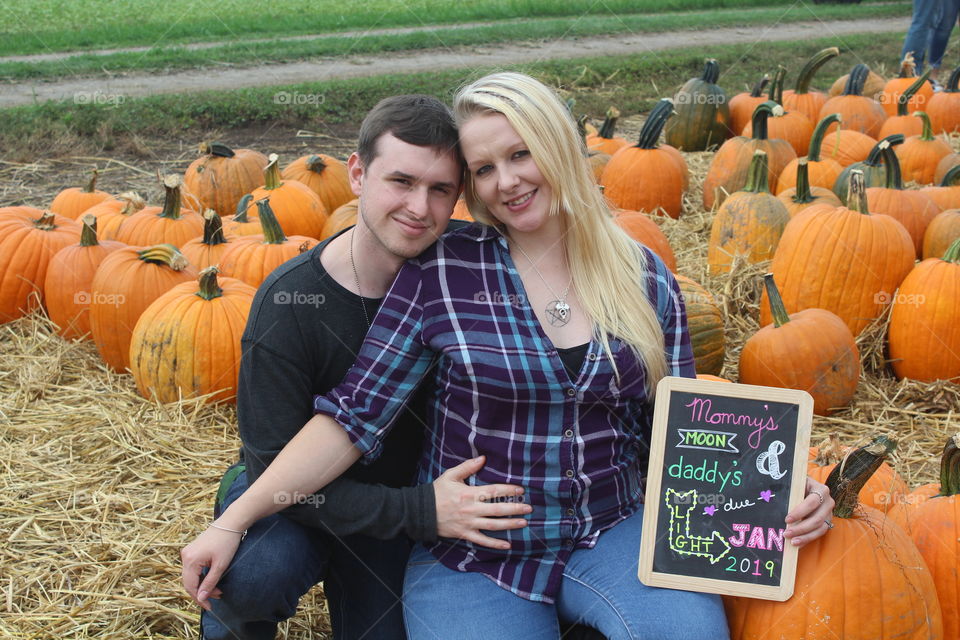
[591, 357]
[570, 473]
[571, 512]
[568, 544]
[571, 392]
[568, 433]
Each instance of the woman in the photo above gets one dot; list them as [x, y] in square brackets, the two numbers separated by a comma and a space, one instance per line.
[545, 330]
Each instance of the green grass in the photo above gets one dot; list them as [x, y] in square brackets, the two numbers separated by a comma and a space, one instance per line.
[633, 83]
[168, 59]
[42, 26]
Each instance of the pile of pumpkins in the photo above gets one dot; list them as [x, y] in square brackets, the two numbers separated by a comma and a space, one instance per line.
[780, 188]
[165, 291]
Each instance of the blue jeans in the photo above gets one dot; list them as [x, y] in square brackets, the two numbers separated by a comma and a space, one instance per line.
[930, 27]
[280, 560]
[600, 588]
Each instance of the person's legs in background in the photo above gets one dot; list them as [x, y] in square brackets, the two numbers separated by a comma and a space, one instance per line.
[947, 14]
[918, 35]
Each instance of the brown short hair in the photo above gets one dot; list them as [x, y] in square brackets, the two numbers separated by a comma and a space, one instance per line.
[420, 120]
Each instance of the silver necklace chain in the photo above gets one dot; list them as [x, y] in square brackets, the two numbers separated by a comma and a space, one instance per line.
[356, 279]
[557, 310]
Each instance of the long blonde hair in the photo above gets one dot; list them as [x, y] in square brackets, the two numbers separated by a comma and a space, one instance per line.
[604, 261]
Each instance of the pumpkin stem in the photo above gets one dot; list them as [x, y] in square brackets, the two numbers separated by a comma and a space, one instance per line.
[757, 90]
[172, 197]
[272, 231]
[858, 76]
[650, 133]
[892, 164]
[875, 159]
[776, 87]
[953, 252]
[609, 123]
[952, 177]
[242, 207]
[92, 185]
[46, 222]
[316, 164]
[953, 82]
[217, 149]
[164, 254]
[760, 115]
[908, 68]
[816, 140]
[758, 175]
[803, 194]
[910, 91]
[88, 234]
[847, 478]
[271, 173]
[927, 134]
[830, 451]
[212, 228]
[858, 193]
[711, 71]
[582, 127]
[816, 61]
[950, 467]
[777, 309]
[133, 202]
[209, 287]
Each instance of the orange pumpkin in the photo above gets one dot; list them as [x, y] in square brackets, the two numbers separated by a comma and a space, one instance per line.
[821, 172]
[641, 228]
[169, 224]
[893, 89]
[187, 342]
[72, 202]
[947, 195]
[28, 239]
[901, 121]
[792, 126]
[924, 334]
[941, 233]
[860, 580]
[743, 104]
[346, 216]
[206, 250]
[605, 140]
[241, 224]
[69, 280]
[325, 175]
[125, 284]
[847, 261]
[872, 86]
[914, 209]
[731, 164]
[847, 146]
[947, 163]
[801, 98]
[644, 177]
[705, 326]
[883, 491]
[944, 107]
[221, 176]
[712, 378]
[812, 350]
[919, 154]
[858, 112]
[110, 214]
[803, 196]
[748, 224]
[297, 208]
[253, 258]
[874, 173]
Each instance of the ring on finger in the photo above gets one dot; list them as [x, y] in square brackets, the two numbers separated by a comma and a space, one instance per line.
[819, 495]
[828, 523]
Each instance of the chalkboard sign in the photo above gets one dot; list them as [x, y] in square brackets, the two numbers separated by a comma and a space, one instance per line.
[727, 462]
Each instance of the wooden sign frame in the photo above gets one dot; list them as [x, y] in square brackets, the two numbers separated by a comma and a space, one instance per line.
[655, 482]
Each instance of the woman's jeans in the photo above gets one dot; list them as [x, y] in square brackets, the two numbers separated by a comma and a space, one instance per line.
[600, 588]
[932, 23]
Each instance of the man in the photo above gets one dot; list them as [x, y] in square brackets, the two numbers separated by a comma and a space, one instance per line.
[306, 325]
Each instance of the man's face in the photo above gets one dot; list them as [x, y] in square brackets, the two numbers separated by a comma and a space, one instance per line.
[407, 194]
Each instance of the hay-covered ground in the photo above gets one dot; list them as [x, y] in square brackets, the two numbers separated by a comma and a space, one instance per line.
[100, 489]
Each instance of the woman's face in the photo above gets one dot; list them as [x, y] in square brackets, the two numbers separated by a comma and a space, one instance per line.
[504, 175]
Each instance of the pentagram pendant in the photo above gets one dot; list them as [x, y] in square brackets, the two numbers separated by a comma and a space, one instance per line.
[558, 313]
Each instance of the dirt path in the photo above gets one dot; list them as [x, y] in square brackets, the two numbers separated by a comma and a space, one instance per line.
[120, 87]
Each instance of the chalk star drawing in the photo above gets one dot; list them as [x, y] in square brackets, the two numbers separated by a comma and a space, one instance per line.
[680, 506]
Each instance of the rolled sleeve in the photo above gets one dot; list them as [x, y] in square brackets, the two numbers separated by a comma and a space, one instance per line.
[392, 361]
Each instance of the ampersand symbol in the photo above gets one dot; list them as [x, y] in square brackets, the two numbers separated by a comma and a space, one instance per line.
[768, 462]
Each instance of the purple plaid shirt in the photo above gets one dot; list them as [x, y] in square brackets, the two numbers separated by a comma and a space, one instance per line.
[458, 313]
